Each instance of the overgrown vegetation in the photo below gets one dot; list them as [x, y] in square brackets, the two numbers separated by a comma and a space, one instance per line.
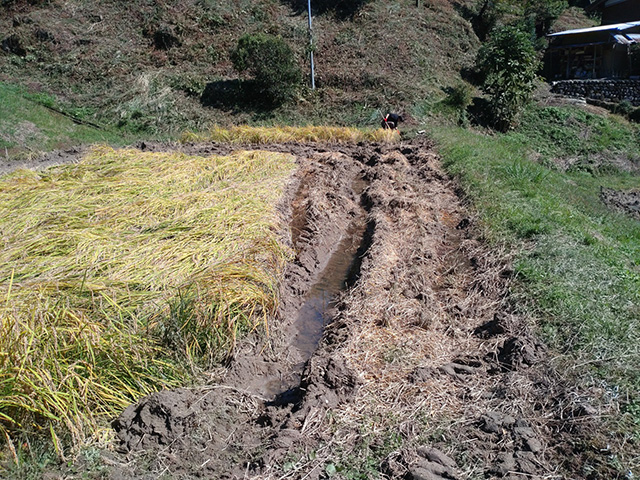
[122, 274]
[577, 269]
[574, 138]
[508, 64]
[271, 63]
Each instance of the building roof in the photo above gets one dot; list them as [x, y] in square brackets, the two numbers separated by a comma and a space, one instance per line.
[603, 3]
[618, 27]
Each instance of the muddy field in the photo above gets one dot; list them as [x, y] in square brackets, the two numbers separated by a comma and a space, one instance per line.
[394, 354]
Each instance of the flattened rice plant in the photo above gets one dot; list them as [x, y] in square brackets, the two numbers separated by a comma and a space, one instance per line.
[110, 266]
[262, 135]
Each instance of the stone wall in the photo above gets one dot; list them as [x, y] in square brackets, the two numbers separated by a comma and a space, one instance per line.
[605, 90]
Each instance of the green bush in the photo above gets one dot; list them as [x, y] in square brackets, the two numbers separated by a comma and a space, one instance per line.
[508, 64]
[271, 63]
[459, 97]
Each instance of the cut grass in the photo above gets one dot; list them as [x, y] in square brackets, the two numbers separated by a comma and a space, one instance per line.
[118, 269]
[262, 135]
[578, 266]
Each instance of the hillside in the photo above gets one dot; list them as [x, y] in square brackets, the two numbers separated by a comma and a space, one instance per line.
[162, 67]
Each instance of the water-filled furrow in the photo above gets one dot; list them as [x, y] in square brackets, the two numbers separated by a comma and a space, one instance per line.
[341, 271]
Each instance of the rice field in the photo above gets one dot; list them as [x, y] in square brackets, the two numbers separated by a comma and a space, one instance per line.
[124, 274]
[261, 135]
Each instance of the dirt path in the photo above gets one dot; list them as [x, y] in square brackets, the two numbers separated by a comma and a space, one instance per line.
[422, 373]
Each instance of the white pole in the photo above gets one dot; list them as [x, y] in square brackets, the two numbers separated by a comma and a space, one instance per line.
[313, 79]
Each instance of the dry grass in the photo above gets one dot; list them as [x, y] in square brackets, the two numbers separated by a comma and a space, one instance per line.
[262, 135]
[113, 266]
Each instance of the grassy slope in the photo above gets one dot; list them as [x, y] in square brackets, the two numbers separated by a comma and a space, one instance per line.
[389, 55]
[578, 262]
[26, 124]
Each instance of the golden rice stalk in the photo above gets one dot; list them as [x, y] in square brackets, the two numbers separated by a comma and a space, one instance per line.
[263, 135]
[110, 266]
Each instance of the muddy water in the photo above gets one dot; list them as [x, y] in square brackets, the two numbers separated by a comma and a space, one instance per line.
[315, 312]
[312, 316]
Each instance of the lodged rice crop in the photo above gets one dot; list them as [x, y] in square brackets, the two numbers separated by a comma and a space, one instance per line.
[262, 135]
[120, 274]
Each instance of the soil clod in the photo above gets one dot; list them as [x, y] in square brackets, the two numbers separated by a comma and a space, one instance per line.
[158, 419]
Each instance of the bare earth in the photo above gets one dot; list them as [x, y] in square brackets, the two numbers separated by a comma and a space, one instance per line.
[422, 373]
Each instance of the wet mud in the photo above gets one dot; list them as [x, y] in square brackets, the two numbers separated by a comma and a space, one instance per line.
[395, 353]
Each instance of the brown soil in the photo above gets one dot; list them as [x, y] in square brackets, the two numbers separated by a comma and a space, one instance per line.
[57, 157]
[422, 373]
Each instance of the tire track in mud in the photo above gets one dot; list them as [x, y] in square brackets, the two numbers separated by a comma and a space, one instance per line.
[422, 373]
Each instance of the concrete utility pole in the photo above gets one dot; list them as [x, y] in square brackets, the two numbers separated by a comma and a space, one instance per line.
[313, 77]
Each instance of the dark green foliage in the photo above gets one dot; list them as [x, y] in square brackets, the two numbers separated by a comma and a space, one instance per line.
[634, 115]
[271, 63]
[508, 63]
[459, 98]
[543, 13]
[538, 15]
[485, 17]
[342, 10]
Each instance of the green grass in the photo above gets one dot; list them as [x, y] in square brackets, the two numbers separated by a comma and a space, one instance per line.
[563, 132]
[27, 125]
[123, 273]
[578, 269]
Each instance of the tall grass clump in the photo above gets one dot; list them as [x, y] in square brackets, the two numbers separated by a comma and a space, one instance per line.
[261, 135]
[122, 273]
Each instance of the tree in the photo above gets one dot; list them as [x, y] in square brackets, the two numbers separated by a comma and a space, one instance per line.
[508, 63]
[543, 13]
[485, 17]
[271, 63]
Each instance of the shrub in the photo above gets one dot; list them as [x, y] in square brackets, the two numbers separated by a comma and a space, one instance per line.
[271, 63]
[459, 97]
[508, 63]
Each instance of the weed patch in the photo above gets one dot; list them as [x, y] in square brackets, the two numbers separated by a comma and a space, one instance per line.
[592, 142]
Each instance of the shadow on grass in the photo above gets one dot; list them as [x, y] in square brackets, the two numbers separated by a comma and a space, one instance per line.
[342, 9]
[479, 113]
[235, 96]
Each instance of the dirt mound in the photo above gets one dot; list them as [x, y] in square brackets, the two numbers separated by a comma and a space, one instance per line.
[625, 202]
[158, 419]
